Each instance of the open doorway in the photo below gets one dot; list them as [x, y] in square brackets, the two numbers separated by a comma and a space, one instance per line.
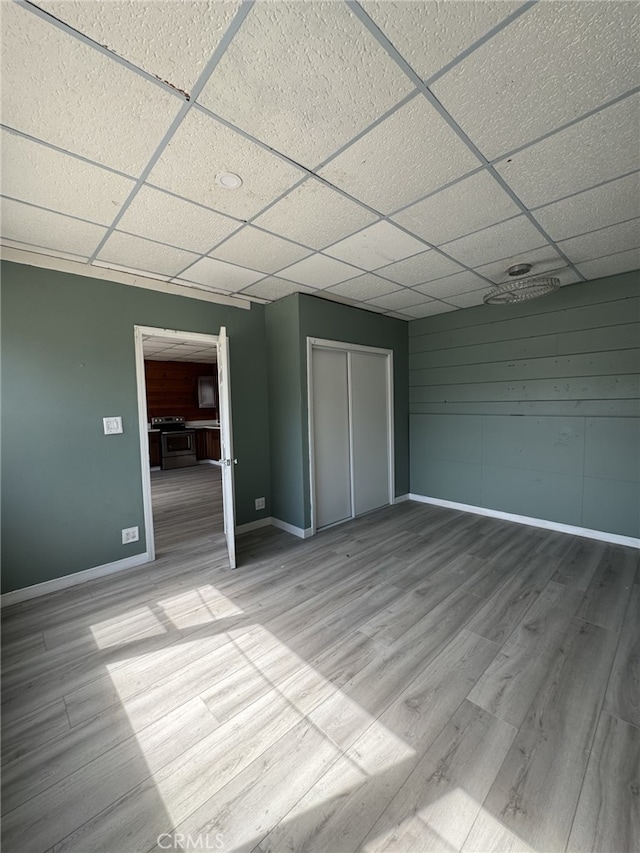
[186, 442]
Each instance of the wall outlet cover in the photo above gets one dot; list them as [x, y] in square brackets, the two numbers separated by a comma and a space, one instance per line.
[130, 534]
[112, 425]
[259, 503]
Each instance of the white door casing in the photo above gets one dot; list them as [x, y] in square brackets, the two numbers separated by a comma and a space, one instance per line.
[228, 460]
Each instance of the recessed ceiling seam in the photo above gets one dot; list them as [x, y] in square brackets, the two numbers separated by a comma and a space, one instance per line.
[225, 41]
[453, 124]
[592, 187]
[100, 48]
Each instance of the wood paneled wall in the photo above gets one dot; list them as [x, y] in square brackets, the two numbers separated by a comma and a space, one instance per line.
[533, 409]
[172, 389]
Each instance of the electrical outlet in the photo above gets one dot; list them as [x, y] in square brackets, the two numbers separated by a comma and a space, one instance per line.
[112, 426]
[129, 534]
[259, 503]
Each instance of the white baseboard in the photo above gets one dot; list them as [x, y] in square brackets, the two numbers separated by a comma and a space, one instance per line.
[587, 532]
[254, 525]
[301, 533]
[400, 499]
[209, 462]
[76, 578]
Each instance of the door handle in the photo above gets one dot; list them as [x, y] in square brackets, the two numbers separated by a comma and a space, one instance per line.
[228, 462]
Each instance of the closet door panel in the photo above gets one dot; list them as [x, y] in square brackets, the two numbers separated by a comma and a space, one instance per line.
[331, 437]
[369, 431]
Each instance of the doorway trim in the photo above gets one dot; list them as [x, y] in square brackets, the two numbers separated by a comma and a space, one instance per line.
[345, 346]
[141, 332]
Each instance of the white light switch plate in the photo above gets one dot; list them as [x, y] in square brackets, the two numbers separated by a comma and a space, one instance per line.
[112, 426]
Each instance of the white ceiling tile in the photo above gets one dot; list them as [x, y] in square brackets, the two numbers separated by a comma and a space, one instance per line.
[606, 241]
[315, 215]
[452, 285]
[552, 64]
[201, 148]
[420, 268]
[273, 288]
[611, 264]
[41, 250]
[427, 309]
[140, 254]
[220, 275]
[363, 287]
[497, 241]
[376, 246]
[320, 271]
[399, 300]
[313, 65]
[163, 217]
[601, 147]
[470, 204]
[411, 153]
[469, 300]
[397, 315]
[541, 260]
[596, 208]
[259, 250]
[428, 34]
[49, 230]
[172, 41]
[40, 175]
[77, 98]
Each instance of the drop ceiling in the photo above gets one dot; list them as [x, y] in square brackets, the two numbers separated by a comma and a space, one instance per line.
[397, 156]
[157, 348]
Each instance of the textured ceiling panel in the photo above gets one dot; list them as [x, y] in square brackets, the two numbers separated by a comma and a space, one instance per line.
[219, 275]
[314, 215]
[543, 259]
[430, 35]
[50, 230]
[75, 187]
[202, 148]
[426, 309]
[606, 241]
[42, 250]
[172, 41]
[111, 265]
[77, 98]
[364, 287]
[139, 254]
[468, 300]
[600, 147]
[497, 241]
[551, 65]
[376, 246]
[614, 202]
[611, 264]
[259, 250]
[470, 204]
[312, 65]
[408, 155]
[320, 271]
[420, 268]
[160, 216]
[273, 288]
[399, 300]
[452, 285]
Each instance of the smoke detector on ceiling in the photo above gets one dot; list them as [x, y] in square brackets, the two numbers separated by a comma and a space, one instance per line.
[228, 180]
[521, 289]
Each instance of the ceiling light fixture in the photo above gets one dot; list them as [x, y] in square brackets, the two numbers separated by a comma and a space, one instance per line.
[522, 290]
[228, 180]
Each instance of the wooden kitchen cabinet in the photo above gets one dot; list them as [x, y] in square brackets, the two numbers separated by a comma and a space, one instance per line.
[207, 444]
[155, 450]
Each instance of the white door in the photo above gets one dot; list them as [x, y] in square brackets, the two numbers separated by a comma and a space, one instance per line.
[330, 424]
[369, 431]
[226, 446]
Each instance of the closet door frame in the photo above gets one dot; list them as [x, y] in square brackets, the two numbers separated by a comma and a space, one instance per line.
[321, 343]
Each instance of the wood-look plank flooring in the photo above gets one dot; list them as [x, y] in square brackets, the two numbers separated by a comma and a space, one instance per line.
[416, 679]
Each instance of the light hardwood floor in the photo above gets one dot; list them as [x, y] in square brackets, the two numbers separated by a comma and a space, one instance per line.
[417, 679]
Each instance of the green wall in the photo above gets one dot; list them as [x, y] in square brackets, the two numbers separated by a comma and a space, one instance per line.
[67, 361]
[289, 323]
[533, 409]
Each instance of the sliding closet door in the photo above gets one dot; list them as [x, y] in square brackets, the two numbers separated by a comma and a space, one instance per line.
[369, 431]
[331, 437]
